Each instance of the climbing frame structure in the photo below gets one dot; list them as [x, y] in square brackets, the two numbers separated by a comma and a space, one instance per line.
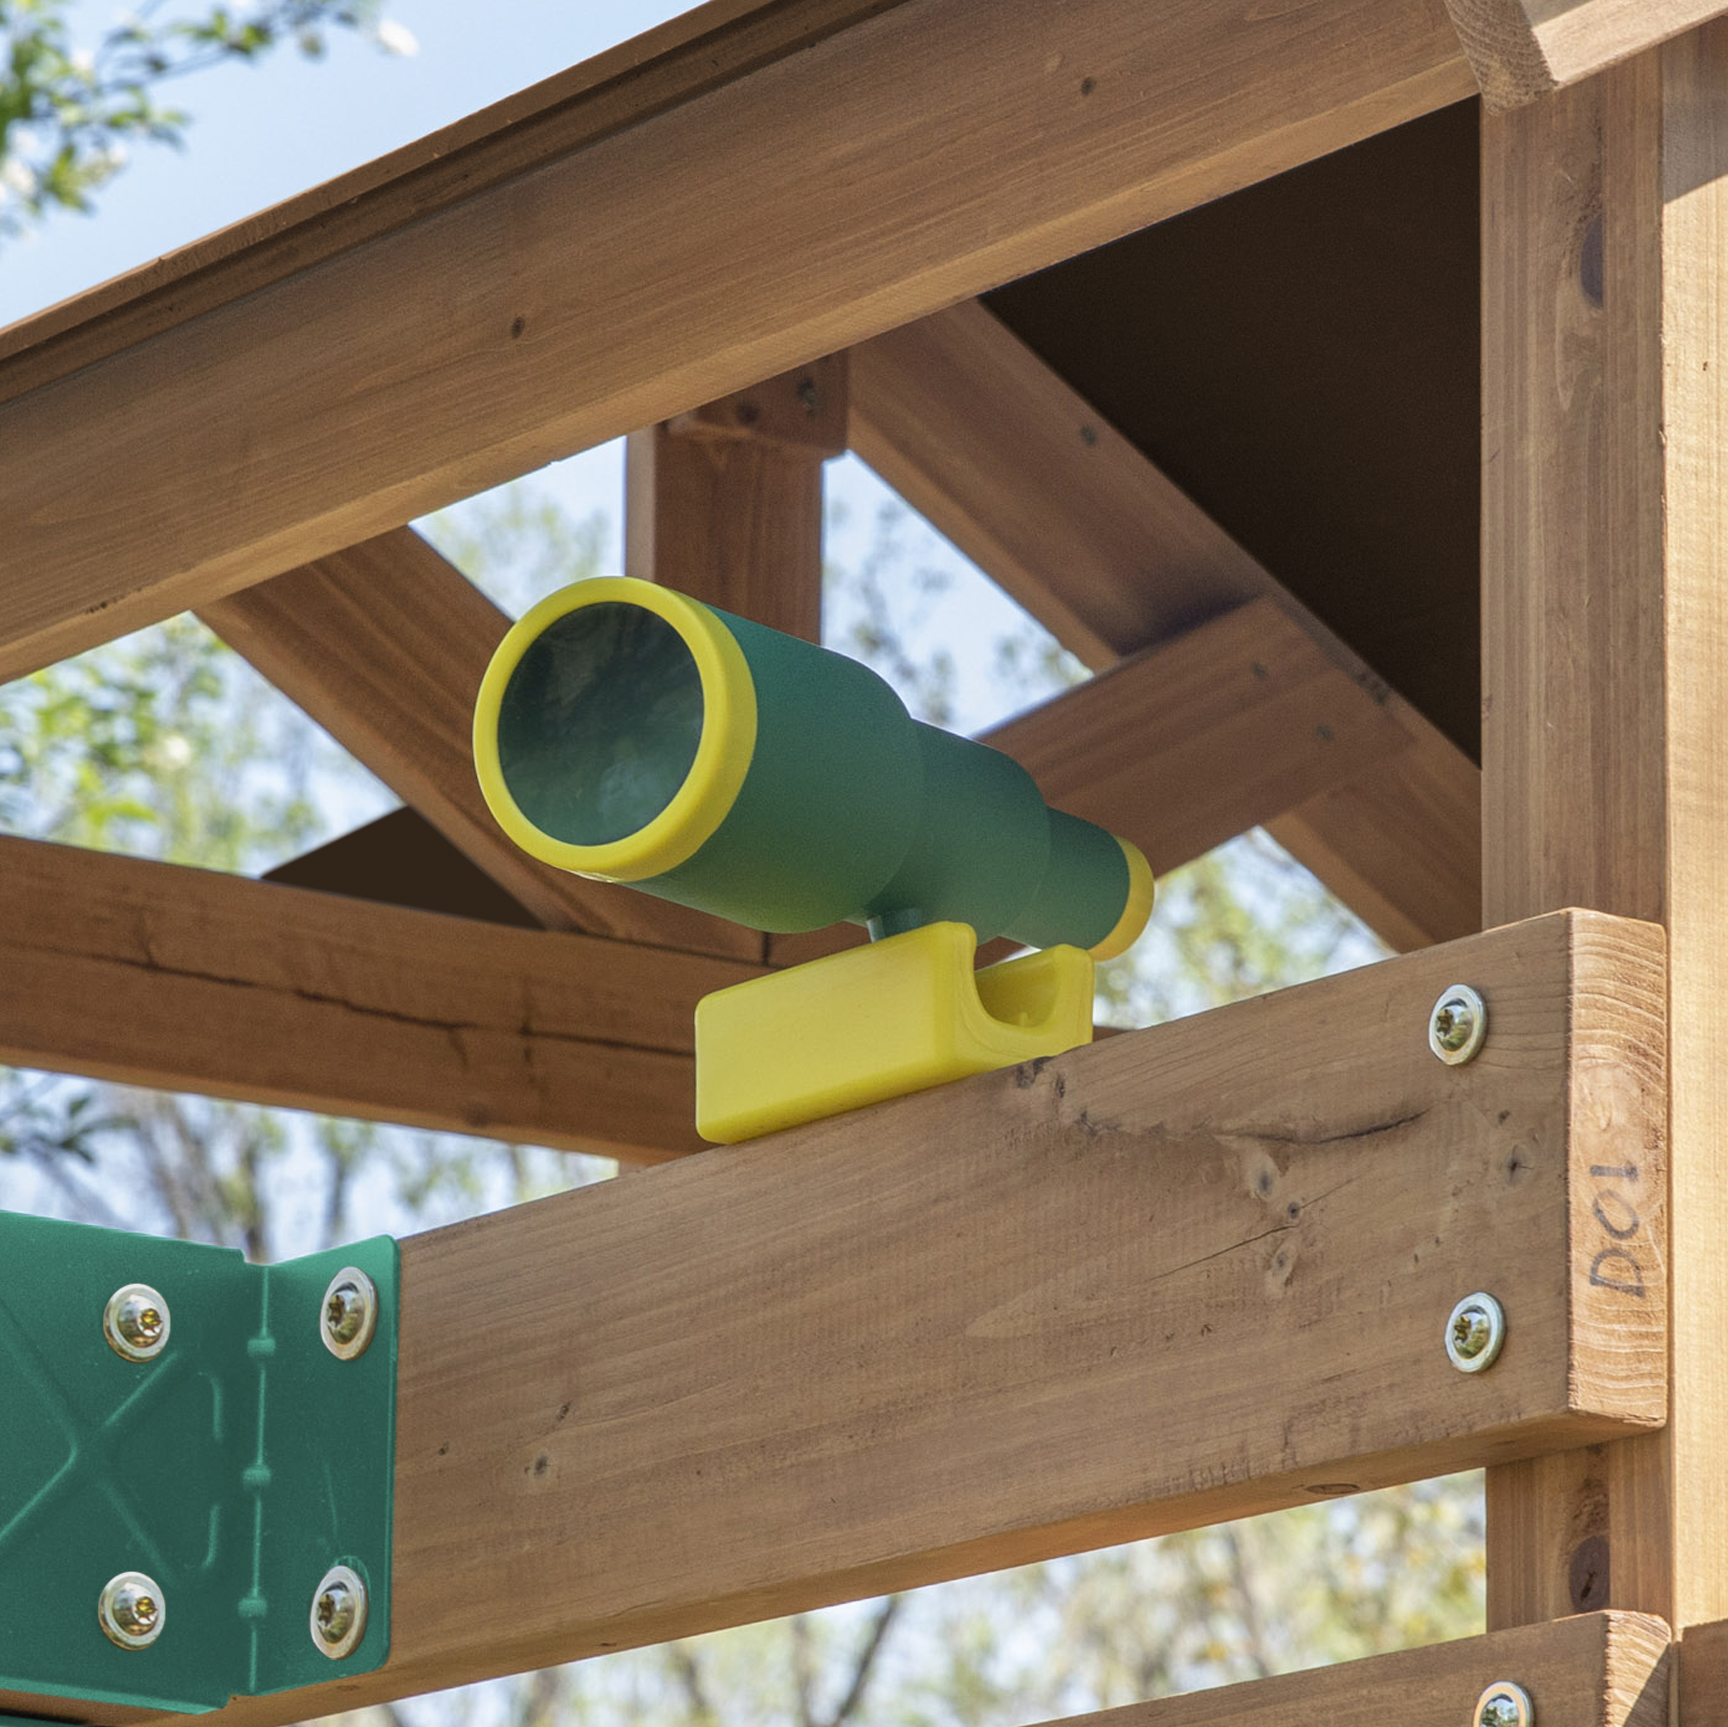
[1343, 381]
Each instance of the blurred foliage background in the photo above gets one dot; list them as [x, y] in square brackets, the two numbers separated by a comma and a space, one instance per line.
[166, 745]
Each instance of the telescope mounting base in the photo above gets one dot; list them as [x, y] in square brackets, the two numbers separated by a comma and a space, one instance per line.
[877, 1022]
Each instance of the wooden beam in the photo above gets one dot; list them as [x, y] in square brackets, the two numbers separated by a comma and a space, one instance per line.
[1179, 1276]
[153, 974]
[1188, 744]
[384, 645]
[988, 443]
[725, 502]
[1605, 701]
[1596, 1670]
[1523, 49]
[811, 198]
[1701, 1676]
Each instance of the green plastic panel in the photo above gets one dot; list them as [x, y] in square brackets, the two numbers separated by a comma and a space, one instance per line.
[234, 1469]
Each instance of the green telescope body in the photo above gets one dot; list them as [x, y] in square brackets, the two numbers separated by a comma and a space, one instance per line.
[629, 733]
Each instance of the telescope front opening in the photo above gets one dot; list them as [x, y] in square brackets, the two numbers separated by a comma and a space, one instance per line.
[599, 723]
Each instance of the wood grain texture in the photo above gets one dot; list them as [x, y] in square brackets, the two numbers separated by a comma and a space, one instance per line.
[384, 644]
[725, 502]
[1595, 1670]
[153, 974]
[1701, 1676]
[673, 63]
[1523, 49]
[1606, 719]
[791, 211]
[806, 1366]
[987, 442]
[802, 412]
[1188, 744]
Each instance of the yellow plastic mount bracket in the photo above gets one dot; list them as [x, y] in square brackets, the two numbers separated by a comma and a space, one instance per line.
[877, 1022]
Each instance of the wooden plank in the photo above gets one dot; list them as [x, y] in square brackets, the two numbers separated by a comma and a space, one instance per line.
[1190, 743]
[1398, 845]
[793, 210]
[987, 442]
[401, 859]
[673, 63]
[1701, 1676]
[801, 412]
[1595, 1670]
[725, 502]
[152, 974]
[1179, 1276]
[1523, 49]
[1605, 213]
[384, 645]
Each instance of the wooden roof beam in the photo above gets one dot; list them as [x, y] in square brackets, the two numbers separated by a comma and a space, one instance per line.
[659, 245]
[384, 644]
[1523, 49]
[988, 443]
[806, 1366]
[158, 975]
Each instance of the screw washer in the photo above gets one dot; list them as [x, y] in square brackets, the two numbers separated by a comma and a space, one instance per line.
[1475, 1333]
[1458, 1024]
[348, 1320]
[338, 1618]
[1504, 1704]
[131, 1610]
[136, 1322]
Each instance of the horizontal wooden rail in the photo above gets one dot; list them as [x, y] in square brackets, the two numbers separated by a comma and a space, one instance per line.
[153, 974]
[1597, 1670]
[1179, 1276]
[384, 644]
[802, 203]
[1524, 49]
[996, 450]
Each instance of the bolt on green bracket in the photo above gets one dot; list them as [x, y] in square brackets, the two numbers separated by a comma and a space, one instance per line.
[197, 1465]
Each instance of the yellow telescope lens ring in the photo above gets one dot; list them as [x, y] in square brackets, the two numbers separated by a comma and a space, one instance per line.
[1142, 890]
[723, 752]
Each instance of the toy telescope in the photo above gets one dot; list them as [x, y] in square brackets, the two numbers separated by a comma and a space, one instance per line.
[631, 734]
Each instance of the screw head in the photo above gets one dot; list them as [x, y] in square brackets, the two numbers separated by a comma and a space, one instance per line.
[1475, 1332]
[339, 1613]
[1504, 1704]
[1457, 1025]
[349, 1319]
[135, 1322]
[130, 1610]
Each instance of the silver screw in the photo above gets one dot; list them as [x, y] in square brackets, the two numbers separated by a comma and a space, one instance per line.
[1457, 1025]
[1504, 1704]
[135, 1322]
[349, 1320]
[1474, 1333]
[339, 1613]
[131, 1610]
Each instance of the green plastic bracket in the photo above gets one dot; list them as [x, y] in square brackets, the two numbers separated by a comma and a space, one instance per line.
[234, 1469]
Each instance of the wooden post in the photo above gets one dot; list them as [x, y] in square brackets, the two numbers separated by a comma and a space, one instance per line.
[1605, 728]
[725, 502]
